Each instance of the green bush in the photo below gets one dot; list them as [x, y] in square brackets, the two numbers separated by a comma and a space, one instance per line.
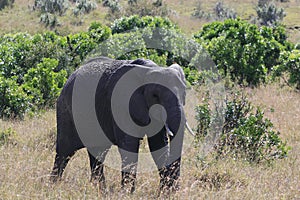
[14, 102]
[291, 66]
[34, 68]
[203, 117]
[243, 51]
[158, 39]
[20, 52]
[246, 134]
[99, 32]
[79, 45]
[126, 24]
[43, 84]
[14, 49]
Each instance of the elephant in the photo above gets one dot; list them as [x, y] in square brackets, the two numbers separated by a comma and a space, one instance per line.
[155, 108]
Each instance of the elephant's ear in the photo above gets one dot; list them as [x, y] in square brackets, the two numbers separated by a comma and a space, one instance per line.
[139, 108]
[180, 74]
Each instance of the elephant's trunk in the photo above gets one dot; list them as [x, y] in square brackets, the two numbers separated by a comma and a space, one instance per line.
[175, 129]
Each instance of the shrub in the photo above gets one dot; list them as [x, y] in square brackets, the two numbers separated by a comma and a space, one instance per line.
[135, 7]
[246, 134]
[34, 68]
[115, 9]
[158, 39]
[43, 84]
[84, 7]
[132, 2]
[49, 10]
[243, 51]
[222, 12]
[14, 102]
[199, 11]
[290, 65]
[50, 20]
[51, 6]
[126, 24]
[146, 8]
[99, 32]
[261, 3]
[203, 117]
[20, 52]
[269, 14]
[114, 5]
[13, 53]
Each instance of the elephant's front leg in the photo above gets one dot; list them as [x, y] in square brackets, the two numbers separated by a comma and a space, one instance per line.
[97, 156]
[128, 149]
[167, 158]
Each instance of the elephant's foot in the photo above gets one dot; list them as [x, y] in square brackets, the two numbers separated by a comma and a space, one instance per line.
[128, 182]
[169, 180]
[168, 186]
[55, 175]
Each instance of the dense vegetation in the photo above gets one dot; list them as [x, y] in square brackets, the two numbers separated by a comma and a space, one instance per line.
[34, 67]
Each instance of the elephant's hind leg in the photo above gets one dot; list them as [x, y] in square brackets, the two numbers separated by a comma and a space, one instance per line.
[97, 167]
[67, 143]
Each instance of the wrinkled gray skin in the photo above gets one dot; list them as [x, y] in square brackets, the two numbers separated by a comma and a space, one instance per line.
[68, 140]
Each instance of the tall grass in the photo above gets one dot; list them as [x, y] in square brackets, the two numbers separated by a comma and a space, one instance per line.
[27, 160]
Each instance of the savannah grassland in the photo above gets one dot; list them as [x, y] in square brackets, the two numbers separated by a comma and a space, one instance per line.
[26, 160]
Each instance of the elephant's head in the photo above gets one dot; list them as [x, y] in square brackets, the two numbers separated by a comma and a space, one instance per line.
[156, 96]
[156, 107]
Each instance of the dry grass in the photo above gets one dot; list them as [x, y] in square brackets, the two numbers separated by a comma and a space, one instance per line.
[27, 161]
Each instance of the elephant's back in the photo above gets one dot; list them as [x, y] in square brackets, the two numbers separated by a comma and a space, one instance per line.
[101, 65]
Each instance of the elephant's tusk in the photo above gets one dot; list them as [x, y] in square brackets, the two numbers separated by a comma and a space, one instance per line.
[189, 129]
[169, 132]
